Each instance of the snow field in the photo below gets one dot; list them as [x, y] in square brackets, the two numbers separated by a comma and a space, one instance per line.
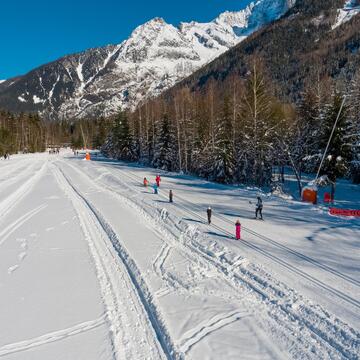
[50, 307]
[132, 335]
[329, 264]
[95, 266]
[349, 339]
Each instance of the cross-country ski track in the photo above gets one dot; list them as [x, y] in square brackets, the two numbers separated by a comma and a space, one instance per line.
[95, 266]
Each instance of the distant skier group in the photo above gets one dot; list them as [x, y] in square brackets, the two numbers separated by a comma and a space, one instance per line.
[6, 156]
[156, 186]
[258, 206]
[54, 151]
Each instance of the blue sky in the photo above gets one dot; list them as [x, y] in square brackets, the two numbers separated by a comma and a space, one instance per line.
[34, 32]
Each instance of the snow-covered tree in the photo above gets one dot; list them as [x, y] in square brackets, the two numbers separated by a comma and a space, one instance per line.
[164, 150]
[353, 133]
[256, 130]
[338, 156]
[223, 163]
[122, 137]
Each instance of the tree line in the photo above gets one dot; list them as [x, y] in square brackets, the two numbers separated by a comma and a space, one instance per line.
[22, 132]
[28, 133]
[238, 131]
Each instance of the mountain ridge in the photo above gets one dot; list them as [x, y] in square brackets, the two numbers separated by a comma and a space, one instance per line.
[314, 39]
[97, 81]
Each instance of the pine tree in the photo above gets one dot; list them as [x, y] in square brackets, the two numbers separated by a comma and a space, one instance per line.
[255, 141]
[122, 138]
[353, 129]
[338, 156]
[223, 158]
[164, 152]
[201, 151]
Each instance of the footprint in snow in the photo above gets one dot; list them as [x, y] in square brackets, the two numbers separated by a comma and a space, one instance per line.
[52, 197]
[50, 229]
[64, 222]
[11, 269]
[22, 255]
[23, 243]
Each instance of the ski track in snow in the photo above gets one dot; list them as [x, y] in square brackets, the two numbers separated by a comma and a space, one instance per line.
[4, 234]
[9, 170]
[188, 209]
[333, 337]
[216, 323]
[137, 323]
[50, 337]
[12, 200]
[137, 328]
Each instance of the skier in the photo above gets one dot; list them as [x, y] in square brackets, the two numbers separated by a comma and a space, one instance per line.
[171, 196]
[259, 207]
[209, 212]
[155, 189]
[146, 182]
[158, 179]
[237, 230]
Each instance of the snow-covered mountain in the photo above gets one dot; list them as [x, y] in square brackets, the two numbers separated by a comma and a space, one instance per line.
[156, 55]
[351, 8]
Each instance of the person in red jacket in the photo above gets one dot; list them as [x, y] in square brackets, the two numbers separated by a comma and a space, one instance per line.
[238, 230]
[158, 179]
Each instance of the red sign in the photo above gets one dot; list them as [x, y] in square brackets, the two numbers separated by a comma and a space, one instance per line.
[344, 212]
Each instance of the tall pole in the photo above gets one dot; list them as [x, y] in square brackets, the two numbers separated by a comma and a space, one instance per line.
[330, 138]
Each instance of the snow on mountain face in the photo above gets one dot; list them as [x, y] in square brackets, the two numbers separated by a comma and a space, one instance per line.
[350, 9]
[155, 57]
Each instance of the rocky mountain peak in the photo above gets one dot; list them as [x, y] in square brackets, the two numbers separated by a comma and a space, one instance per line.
[154, 57]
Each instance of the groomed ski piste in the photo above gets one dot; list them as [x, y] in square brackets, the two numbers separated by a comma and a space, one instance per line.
[93, 265]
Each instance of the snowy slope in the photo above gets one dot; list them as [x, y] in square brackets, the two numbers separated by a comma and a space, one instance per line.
[152, 59]
[351, 8]
[94, 266]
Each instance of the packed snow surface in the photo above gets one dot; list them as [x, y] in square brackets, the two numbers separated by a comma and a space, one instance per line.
[95, 266]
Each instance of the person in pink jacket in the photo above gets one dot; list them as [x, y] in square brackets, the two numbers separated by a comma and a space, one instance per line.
[238, 230]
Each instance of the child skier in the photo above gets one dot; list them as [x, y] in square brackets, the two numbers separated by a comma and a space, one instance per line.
[155, 189]
[158, 179]
[259, 207]
[237, 230]
[209, 213]
[146, 182]
[170, 196]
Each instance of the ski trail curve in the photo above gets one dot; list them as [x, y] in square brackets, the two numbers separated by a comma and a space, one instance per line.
[4, 234]
[135, 329]
[12, 200]
[313, 320]
[196, 334]
[51, 337]
[187, 208]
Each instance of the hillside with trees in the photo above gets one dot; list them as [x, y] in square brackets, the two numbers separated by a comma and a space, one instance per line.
[240, 131]
[301, 48]
[271, 101]
[28, 133]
